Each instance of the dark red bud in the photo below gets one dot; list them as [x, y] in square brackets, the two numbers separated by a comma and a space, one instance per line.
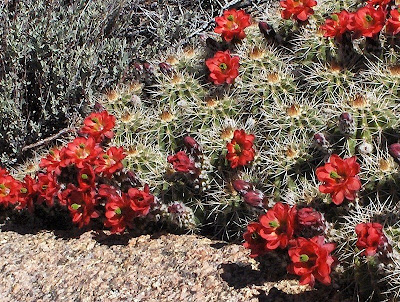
[176, 208]
[394, 150]
[242, 186]
[165, 68]
[192, 145]
[254, 198]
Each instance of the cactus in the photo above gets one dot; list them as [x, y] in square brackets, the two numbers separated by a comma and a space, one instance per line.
[298, 99]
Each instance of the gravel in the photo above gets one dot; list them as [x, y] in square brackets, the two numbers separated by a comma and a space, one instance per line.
[95, 266]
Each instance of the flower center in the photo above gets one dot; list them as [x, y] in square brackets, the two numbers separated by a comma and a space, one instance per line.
[223, 66]
[44, 187]
[334, 175]
[75, 206]
[238, 149]
[84, 176]
[274, 224]
[118, 211]
[304, 258]
[335, 17]
[230, 18]
[23, 190]
[368, 18]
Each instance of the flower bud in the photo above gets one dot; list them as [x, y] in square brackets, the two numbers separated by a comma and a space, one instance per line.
[98, 107]
[269, 33]
[165, 68]
[346, 124]
[254, 198]
[148, 67]
[394, 150]
[242, 186]
[309, 217]
[192, 145]
[138, 68]
[176, 208]
[321, 142]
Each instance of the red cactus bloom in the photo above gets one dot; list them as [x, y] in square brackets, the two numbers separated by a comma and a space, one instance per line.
[110, 162]
[370, 237]
[141, 201]
[54, 161]
[299, 9]
[182, 162]
[278, 225]
[393, 23]
[28, 194]
[99, 125]
[3, 172]
[339, 178]
[232, 24]
[367, 21]
[9, 189]
[382, 3]
[240, 149]
[311, 260]
[254, 241]
[47, 188]
[81, 150]
[119, 214]
[223, 67]
[337, 25]
[81, 205]
[86, 177]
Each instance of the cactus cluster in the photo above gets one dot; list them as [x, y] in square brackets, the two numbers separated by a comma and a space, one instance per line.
[305, 97]
[219, 156]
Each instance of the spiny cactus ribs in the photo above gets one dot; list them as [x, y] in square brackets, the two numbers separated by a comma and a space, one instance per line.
[286, 124]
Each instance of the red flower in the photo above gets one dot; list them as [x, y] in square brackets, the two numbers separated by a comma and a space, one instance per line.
[86, 177]
[3, 172]
[367, 21]
[339, 178]
[47, 188]
[240, 149]
[9, 189]
[393, 23]
[54, 161]
[141, 200]
[110, 162]
[232, 24]
[182, 162]
[299, 9]
[99, 125]
[370, 237]
[223, 68]
[278, 225]
[119, 214]
[253, 240]
[311, 260]
[337, 25]
[81, 205]
[27, 195]
[81, 151]
[379, 2]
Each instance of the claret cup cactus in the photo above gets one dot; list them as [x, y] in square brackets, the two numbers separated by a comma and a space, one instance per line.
[279, 129]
